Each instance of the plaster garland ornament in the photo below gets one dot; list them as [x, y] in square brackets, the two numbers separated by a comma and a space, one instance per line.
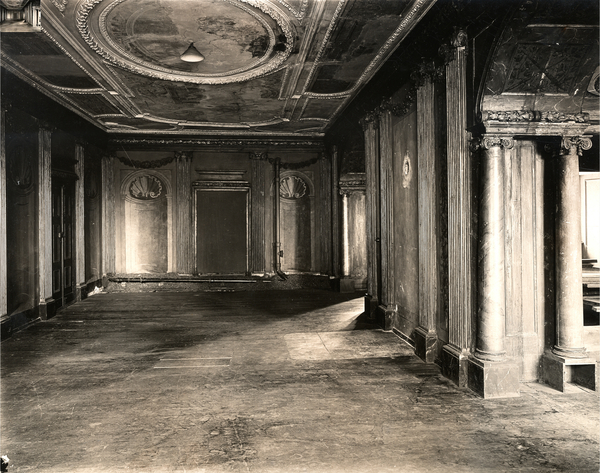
[580, 143]
[146, 164]
[115, 55]
[145, 187]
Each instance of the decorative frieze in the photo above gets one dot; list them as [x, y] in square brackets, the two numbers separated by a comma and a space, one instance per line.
[520, 116]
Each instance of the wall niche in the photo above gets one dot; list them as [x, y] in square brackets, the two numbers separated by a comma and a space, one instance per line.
[147, 223]
[296, 191]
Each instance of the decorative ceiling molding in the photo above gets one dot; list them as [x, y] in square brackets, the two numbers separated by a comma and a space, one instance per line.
[45, 88]
[299, 14]
[101, 43]
[61, 5]
[317, 61]
[214, 142]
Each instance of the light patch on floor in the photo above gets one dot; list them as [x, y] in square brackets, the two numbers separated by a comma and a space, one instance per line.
[342, 345]
[175, 363]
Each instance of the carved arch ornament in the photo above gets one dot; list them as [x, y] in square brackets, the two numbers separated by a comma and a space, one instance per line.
[97, 37]
[292, 187]
[147, 185]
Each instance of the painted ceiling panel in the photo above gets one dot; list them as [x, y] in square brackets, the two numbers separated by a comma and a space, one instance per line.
[322, 109]
[96, 104]
[363, 27]
[545, 60]
[261, 58]
[226, 103]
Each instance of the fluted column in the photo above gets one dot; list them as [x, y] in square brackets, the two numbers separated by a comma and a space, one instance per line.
[569, 293]
[460, 214]
[45, 222]
[386, 174]
[491, 314]
[80, 223]
[184, 255]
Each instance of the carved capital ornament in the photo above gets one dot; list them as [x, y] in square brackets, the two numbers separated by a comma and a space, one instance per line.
[578, 143]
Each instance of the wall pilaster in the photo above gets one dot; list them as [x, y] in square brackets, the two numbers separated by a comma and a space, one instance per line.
[80, 282]
[371, 131]
[108, 216]
[257, 240]
[460, 227]
[3, 255]
[387, 308]
[425, 334]
[45, 222]
[184, 259]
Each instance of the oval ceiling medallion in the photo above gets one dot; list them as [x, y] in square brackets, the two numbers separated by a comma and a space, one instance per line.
[239, 39]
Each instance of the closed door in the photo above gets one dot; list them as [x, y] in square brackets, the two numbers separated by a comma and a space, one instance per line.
[222, 231]
[63, 200]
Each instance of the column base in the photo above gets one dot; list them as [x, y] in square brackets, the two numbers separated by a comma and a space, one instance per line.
[385, 317]
[425, 344]
[81, 292]
[47, 309]
[494, 379]
[455, 365]
[370, 306]
[558, 372]
[347, 285]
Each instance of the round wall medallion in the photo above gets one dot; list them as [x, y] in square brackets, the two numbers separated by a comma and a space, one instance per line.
[239, 39]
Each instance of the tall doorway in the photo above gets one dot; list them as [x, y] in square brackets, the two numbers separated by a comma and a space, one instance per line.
[63, 224]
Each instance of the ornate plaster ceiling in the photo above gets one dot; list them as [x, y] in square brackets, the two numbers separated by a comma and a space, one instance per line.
[274, 67]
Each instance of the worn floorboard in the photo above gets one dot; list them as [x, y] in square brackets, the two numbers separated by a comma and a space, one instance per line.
[282, 381]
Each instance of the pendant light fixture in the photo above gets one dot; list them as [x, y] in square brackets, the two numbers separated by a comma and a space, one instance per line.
[191, 54]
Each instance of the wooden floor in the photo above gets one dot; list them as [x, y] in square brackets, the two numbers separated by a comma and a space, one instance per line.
[269, 381]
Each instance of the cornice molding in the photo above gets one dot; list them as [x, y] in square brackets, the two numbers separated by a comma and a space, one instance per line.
[215, 142]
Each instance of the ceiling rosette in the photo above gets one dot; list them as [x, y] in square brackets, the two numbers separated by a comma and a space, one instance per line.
[241, 39]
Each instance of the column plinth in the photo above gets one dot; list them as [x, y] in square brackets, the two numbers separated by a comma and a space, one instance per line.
[491, 374]
[568, 361]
